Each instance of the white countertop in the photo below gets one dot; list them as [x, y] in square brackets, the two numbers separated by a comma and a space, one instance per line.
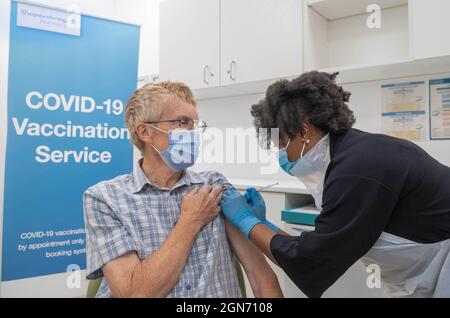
[284, 186]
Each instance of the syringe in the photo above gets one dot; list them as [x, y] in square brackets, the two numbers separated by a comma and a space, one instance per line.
[267, 187]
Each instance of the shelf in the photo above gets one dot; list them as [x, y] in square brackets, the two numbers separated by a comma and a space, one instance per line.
[347, 40]
[257, 87]
[391, 70]
[338, 9]
[347, 75]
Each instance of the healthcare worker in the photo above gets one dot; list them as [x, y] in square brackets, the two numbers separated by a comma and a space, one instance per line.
[383, 200]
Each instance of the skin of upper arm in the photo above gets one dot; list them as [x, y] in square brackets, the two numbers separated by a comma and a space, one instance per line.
[253, 261]
[119, 274]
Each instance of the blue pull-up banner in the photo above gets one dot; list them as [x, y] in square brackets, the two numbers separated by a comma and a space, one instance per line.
[69, 79]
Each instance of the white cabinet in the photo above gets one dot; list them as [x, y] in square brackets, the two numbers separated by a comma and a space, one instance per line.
[235, 47]
[211, 43]
[189, 42]
[338, 36]
[260, 39]
[431, 23]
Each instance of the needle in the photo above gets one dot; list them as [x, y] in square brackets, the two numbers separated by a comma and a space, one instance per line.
[267, 187]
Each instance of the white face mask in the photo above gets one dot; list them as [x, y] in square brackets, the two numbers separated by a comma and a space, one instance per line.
[311, 168]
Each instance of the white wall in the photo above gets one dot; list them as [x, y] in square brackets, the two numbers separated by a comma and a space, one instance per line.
[234, 112]
[365, 102]
[144, 12]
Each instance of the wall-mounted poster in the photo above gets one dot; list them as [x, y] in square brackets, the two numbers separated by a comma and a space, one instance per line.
[404, 110]
[440, 109]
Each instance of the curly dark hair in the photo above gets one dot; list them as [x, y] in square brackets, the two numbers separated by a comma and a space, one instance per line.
[313, 96]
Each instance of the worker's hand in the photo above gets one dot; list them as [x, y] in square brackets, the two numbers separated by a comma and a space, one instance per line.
[257, 204]
[201, 206]
[236, 210]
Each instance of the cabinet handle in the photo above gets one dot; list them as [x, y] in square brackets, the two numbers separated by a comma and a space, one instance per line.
[232, 71]
[206, 75]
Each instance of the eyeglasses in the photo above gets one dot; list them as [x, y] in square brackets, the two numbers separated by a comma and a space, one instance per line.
[184, 123]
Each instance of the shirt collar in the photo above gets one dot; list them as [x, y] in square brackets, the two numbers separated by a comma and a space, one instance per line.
[140, 180]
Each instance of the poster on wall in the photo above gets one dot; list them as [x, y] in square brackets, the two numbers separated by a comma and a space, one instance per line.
[440, 109]
[404, 110]
[69, 79]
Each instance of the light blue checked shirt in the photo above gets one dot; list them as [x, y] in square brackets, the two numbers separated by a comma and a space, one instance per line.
[129, 213]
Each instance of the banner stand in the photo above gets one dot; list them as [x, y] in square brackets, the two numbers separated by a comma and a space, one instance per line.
[62, 131]
[5, 9]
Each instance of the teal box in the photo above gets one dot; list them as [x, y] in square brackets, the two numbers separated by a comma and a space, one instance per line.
[306, 215]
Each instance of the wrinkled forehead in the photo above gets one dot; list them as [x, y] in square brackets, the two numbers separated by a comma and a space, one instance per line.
[174, 108]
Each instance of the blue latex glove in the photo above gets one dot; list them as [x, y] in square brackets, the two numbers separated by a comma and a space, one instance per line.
[257, 204]
[236, 210]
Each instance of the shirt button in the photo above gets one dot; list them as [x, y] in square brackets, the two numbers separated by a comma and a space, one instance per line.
[188, 287]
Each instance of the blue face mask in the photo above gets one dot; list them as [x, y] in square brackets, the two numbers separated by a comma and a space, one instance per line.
[183, 150]
[310, 168]
[284, 162]
[283, 159]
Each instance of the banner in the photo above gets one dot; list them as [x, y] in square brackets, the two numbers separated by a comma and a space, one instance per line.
[69, 80]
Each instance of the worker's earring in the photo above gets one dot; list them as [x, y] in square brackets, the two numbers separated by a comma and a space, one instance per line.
[305, 142]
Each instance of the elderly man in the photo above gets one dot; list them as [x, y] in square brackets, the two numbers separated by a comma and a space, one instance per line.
[158, 232]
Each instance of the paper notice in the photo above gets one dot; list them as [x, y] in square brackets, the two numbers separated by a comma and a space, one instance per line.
[404, 110]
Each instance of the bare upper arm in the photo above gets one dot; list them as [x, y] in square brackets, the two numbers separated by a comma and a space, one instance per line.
[119, 274]
[251, 258]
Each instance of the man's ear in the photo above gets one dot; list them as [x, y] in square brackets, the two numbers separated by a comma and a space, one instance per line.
[144, 133]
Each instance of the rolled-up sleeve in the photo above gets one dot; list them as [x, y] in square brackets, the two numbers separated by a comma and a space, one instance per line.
[356, 210]
[106, 236]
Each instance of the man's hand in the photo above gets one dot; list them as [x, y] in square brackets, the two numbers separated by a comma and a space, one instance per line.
[157, 275]
[201, 206]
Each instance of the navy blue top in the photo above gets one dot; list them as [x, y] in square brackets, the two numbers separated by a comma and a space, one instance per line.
[374, 184]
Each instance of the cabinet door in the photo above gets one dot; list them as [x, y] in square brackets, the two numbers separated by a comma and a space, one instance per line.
[430, 25]
[260, 39]
[189, 42]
